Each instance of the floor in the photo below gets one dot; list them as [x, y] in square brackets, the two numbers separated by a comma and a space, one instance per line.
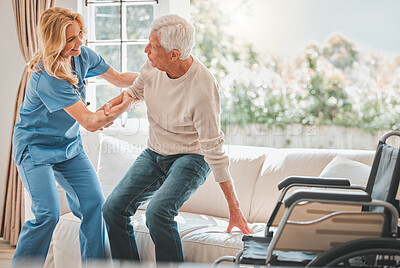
[6, 253]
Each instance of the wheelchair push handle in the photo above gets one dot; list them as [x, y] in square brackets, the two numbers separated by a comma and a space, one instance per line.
[389, 134]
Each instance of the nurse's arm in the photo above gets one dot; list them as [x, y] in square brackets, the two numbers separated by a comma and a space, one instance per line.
[93, 121]
[115, 101]
[119, 79]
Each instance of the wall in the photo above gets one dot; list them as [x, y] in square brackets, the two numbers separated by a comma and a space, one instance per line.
[10, 74]
[70, 4]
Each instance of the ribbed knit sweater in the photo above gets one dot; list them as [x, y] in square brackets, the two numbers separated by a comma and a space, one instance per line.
[184, 114]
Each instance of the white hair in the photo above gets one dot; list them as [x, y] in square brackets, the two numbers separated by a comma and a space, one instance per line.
[174, 32]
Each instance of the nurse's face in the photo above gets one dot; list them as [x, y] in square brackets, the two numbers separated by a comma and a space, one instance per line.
[74, 37]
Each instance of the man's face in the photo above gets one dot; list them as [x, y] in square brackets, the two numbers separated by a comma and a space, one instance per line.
[158, 57]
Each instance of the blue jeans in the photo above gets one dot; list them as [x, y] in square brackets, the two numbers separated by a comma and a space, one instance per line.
[167, 181]
[85, 198]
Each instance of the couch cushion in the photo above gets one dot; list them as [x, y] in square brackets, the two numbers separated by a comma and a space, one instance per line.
[354, 171]
[115, 158]
[203, 238]
[66, 248]
[62, 200]
[245, 165]
[282, 163]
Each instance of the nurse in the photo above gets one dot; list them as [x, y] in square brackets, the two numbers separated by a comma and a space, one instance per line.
[47, 146]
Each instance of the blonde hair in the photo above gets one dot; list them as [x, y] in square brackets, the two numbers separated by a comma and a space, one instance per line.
[52, 40]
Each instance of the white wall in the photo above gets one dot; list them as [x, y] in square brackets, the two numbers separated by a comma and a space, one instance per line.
[180, 7]
[11, 67]
[70, 4]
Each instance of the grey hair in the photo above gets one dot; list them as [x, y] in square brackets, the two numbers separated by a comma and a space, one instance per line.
[174, 32]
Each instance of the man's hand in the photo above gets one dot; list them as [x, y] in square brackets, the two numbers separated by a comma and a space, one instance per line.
[123, 97]
[108, 105]
[236, 217]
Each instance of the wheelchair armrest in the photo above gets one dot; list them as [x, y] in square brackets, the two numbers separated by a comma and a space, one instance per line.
[320, 195]
[313, 181]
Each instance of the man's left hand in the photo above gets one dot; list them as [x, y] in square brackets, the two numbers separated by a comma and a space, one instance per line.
[236, 218]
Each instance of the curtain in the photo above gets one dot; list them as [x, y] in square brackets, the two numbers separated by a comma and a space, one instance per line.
[26, 15]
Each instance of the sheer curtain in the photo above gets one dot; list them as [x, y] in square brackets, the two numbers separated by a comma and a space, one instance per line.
[26, 15]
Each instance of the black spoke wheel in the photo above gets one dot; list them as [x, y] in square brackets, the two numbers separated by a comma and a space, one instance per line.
[369, 252]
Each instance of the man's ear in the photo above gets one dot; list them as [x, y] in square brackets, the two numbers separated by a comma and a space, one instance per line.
[174, 55]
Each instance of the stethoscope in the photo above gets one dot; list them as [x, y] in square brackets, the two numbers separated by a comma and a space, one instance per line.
[75, 88]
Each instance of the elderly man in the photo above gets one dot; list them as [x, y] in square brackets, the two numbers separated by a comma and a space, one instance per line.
[185, 141]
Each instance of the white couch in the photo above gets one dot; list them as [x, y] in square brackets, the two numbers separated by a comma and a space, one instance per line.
[203, 218]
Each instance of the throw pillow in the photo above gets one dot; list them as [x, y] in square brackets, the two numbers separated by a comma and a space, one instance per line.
[357, 173]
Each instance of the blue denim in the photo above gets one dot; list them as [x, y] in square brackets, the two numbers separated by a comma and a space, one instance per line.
[167, 181]
[85, 198]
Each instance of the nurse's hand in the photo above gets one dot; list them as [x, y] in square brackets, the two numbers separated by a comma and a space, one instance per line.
[111, 103]
[94, 121]
[106, 108]
[124, 96]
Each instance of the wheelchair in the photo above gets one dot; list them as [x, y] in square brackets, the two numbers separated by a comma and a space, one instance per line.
[327, 222]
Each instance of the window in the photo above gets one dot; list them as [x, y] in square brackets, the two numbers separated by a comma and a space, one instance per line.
[118, 30]
[303, 73]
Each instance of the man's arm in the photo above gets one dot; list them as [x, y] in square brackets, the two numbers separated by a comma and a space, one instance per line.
[236, 217]
[206, 120]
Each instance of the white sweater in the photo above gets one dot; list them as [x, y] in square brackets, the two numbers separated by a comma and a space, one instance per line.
[184, 114]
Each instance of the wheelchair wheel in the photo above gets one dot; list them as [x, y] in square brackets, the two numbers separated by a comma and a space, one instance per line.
[368, 252]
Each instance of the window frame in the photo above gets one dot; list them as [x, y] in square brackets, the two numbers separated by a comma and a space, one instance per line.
[123, 42]
[161, 7]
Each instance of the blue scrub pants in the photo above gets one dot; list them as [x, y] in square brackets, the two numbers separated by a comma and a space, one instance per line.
[85, 198]
[167, 181]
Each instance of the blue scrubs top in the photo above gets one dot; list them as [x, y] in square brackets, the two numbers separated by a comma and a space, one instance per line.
[44, 128]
